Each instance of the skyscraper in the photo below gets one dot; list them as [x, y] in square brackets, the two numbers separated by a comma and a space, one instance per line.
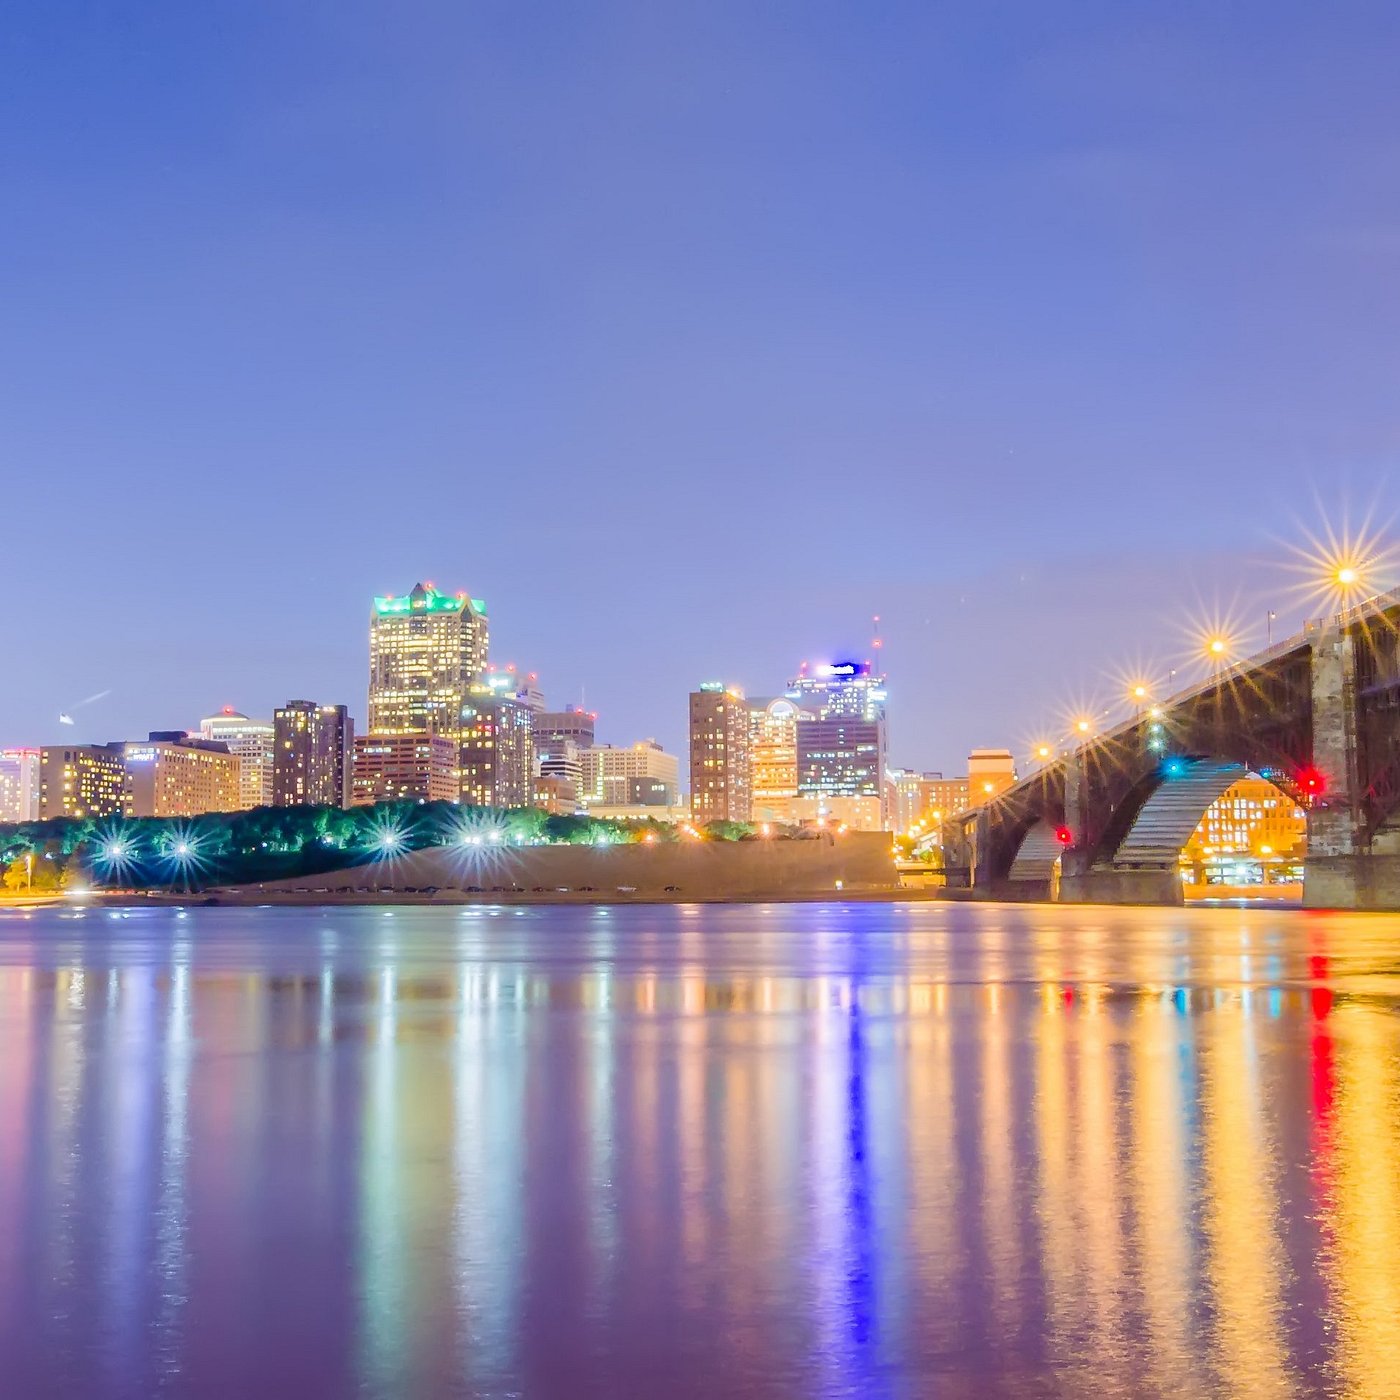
[426, 651]
[313, 745]
[250, 741]
[841, 750]
[773, 757]
[496, 749]
[720, 783]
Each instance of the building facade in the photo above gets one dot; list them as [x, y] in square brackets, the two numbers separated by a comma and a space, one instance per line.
[251, 742]
[496, 750]
[553, 728]
[773, 758]
[313, 748]
[404, 767]
[558, 777]
[81, 780]
[942, 796]
[841, 749]
[989, 773]
[19, 785]
[173, 775]
[1252, 834]
[608, 775]
[721, 786]
[426, 651]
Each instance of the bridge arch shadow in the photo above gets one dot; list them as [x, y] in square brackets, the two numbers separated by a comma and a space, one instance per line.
[1150, 825]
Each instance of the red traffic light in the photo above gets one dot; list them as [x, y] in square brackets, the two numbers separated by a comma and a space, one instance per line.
[1312, 781]
[1064, 836]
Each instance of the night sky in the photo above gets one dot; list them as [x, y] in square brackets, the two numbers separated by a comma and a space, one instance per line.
[689, 336]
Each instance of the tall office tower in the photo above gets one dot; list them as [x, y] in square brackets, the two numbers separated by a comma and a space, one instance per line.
[552, 728]
[720, 781]
[841, 690]
[396, 767]
[841, 751]
[426, 651]
[496, 752]
[989, 773]
[81, 780]
[312, 751]
[172, 775]
[773, 757]
[250, 741]
[19, 785]
[608, 775]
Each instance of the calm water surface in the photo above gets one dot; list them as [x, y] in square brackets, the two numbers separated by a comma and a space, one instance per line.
[773, 1150]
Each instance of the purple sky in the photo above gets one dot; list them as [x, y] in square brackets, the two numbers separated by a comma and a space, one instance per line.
[688, 336]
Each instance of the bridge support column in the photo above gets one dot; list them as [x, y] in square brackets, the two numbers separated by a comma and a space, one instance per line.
[980, 855]
[1108, 886]
[1340, 872]
[1360, 880]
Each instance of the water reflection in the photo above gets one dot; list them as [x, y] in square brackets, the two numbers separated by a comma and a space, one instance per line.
[784, 1150]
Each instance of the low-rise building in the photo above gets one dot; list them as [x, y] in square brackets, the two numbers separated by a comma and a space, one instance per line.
[404, 767]
[170, 774]
[607, 773]
[81, 780]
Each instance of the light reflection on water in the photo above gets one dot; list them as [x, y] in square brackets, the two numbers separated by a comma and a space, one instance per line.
[702, 1150]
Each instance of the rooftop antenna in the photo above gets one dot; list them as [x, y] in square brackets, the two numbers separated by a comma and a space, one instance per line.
[877, 641]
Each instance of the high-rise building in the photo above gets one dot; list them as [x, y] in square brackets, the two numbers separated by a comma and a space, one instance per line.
[426, 651]
[172, 775]
[841, 750]
[720, 781]
[251, 742]
[607, 773]
[840, 690]
[81, 780]
[19, 785]
[989, 773]
[399, 767]
[773, 757]
[552, 728]
[496, 752]
[313, 747]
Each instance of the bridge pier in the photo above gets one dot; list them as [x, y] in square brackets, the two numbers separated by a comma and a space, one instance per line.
[1105, 885]
[1358, 880]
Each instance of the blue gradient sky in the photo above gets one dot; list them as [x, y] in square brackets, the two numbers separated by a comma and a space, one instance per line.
[688, 335]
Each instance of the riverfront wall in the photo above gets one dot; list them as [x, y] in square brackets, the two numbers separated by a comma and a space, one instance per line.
[681, 870]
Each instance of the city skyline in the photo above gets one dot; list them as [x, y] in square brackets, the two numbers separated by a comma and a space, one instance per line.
[1029, 337]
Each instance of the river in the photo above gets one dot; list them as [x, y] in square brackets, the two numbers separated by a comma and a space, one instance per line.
[901, 1150]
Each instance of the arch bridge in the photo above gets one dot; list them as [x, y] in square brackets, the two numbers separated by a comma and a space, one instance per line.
[1318, 714]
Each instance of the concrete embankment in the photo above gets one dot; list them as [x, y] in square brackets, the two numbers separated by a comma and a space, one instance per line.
[852, 863]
